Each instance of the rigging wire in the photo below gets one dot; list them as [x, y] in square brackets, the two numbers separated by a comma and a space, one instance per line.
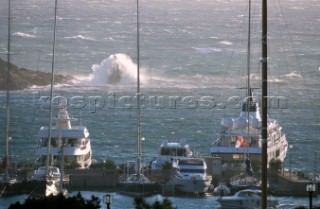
[233, 50]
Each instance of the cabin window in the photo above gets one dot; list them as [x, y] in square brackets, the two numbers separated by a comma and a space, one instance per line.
[186, 170]
[236, 157]
[173, 151]
[44, 142]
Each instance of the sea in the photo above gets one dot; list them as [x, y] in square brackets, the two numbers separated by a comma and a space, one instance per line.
[192, 56]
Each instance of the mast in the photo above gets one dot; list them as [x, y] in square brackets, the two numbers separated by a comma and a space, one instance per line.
[248, 54]
[264, 99]
[6, 157]
[138, 95]
[249, 95]
[51, 86]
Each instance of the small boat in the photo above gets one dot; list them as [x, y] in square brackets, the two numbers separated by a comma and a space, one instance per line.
[42, 172]
[169, 152]
[245, 180]
[246, 199]
[191, 176]
[74, 140]
[138, 185]
[221, 190]
[48, 181]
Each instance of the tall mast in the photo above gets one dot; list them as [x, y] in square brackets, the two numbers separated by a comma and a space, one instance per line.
[249, 95]
[249, 53]
[264, 99]
[138, 95]
[6, 157]
[51, 85]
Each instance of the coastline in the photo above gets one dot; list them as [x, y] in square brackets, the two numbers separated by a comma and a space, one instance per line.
[22, 78]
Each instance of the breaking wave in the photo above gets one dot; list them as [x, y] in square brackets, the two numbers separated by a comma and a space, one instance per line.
[117, 69]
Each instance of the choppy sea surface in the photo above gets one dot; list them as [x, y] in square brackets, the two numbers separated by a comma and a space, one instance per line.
[193, 64]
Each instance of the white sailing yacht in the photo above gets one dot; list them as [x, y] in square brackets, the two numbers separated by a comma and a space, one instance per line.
[50, 179]
[138, 184]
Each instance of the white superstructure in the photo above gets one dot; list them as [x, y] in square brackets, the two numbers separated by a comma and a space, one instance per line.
[169, 152]
[191, 176]
[240, 138]
[71, 142]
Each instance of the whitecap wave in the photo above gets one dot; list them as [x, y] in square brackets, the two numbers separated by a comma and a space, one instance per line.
[80, 37]
[24, 35]
[292, 75]
[206, 50]
[225, 43]
[277, 81]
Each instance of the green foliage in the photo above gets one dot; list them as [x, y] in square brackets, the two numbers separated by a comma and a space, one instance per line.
[275, 164]
[124, 168]
[140, 203]
[59, 202]
[108, 164]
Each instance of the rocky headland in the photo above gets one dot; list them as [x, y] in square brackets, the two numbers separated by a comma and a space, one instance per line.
[22, 78]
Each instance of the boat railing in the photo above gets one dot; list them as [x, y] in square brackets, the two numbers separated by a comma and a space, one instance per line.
[81, 145]
[230, 140]
[84, 145]
[215, 142]
[237, 177]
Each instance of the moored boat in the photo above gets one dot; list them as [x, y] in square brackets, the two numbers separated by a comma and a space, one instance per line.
[48, 181]
[74, 140]
[241, 138]
[138, 184]
[191, 176]
[246, 199]
[169, 152]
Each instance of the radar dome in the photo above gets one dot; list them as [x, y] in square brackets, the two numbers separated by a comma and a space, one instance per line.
[241, 122]
[227, 122]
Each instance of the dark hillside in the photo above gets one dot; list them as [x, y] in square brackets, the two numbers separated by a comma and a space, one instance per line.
[22, 78]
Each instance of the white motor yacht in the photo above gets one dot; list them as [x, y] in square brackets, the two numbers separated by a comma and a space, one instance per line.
[191, 176]
[169, 152]
[72, 142]
[241, 137]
